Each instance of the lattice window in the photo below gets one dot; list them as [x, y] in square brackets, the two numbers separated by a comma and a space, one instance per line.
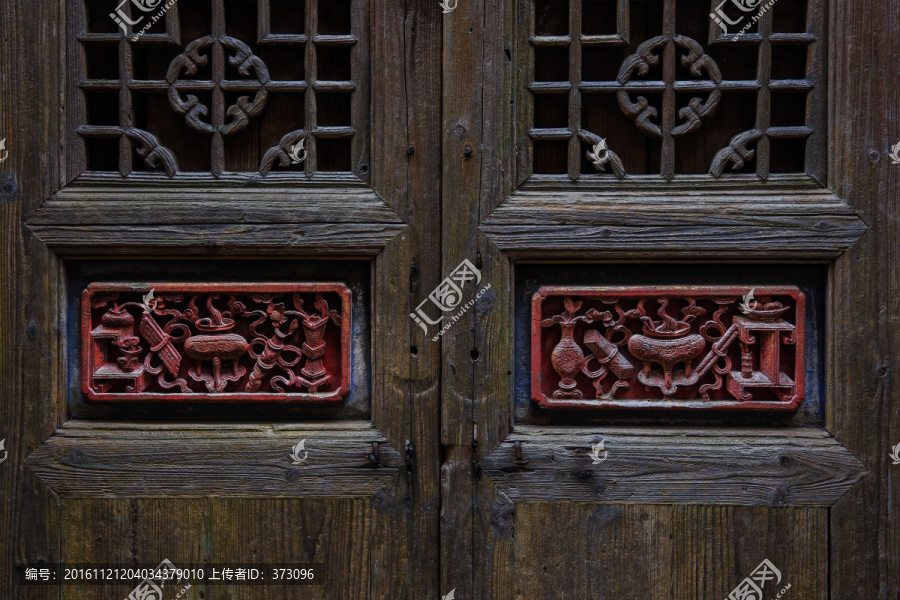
[222, 86]
[629, 87]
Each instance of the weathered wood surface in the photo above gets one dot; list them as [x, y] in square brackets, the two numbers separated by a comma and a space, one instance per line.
[202, 532]
[31, 363]
[383, 543]
[115, 204]
[573, 551]
[463, 122]
[865, 301]
[765, 467]
[187, 460]
[687, 205]
[218, 241]
[821, 239]
[406, 366]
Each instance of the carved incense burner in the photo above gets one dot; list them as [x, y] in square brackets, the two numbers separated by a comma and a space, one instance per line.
[668, 347]
[201, 342]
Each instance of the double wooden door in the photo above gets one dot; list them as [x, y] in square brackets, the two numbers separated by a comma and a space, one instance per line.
[359, 287]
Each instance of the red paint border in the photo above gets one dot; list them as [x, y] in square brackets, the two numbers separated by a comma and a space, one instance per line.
[335, 396]
[538, 395]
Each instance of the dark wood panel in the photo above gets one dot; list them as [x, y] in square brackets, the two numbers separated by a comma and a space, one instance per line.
[651, 206]
[232, 240]
[131, 531]
[185, 205]
[406, 53]
[218, 531]
[768, 467]
[573, 551]
[826, 239]
[193, 460]
[30, 363]
[463, 121]
[865, 303]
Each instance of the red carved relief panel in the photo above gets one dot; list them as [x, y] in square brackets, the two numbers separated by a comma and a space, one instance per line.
[691, 347]
[215, 342]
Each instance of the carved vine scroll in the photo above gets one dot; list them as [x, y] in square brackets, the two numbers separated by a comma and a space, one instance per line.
[215, 342]
[669, 347]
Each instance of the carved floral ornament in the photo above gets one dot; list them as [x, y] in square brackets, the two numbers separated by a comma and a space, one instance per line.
[668, 347]
[225, 342]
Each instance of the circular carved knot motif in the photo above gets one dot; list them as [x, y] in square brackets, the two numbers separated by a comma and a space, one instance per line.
[645, 57]
[195, 112]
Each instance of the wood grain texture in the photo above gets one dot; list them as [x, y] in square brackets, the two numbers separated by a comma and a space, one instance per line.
[463, 171]
[138, 532]
[406, 54]
[185, 460]
[681, 206]
[781, 467]
[824, 238]
[199, 533]
[119, 205]
[865, 296]
[572, 551]
[226, 240]
[31, 365]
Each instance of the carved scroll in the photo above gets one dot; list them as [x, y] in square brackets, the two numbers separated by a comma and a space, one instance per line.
[221, 342]
[290, 150]
[736, 152]
[155, 155]
[668, 347]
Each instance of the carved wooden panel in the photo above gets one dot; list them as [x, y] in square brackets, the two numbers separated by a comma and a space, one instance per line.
[669, 87]
[693, 347]
[225, 342]
[221, 86]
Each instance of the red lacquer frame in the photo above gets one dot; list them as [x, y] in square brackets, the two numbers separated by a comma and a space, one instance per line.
[333, 395]
[541, 358]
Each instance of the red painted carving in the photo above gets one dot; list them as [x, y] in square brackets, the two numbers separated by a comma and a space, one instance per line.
[668, 347]
[216, 342]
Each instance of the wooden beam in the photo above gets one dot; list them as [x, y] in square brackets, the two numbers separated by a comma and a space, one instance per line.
[750, 467]
[115, 460]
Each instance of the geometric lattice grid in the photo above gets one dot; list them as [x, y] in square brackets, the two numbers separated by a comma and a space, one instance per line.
[655, 87]
[221, 86]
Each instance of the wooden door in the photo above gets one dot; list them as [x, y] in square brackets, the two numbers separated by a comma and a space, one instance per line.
[595, 151]
[227, 160]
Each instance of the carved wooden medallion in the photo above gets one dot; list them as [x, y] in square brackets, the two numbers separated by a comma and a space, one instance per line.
[224, 342]
[686, 347]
